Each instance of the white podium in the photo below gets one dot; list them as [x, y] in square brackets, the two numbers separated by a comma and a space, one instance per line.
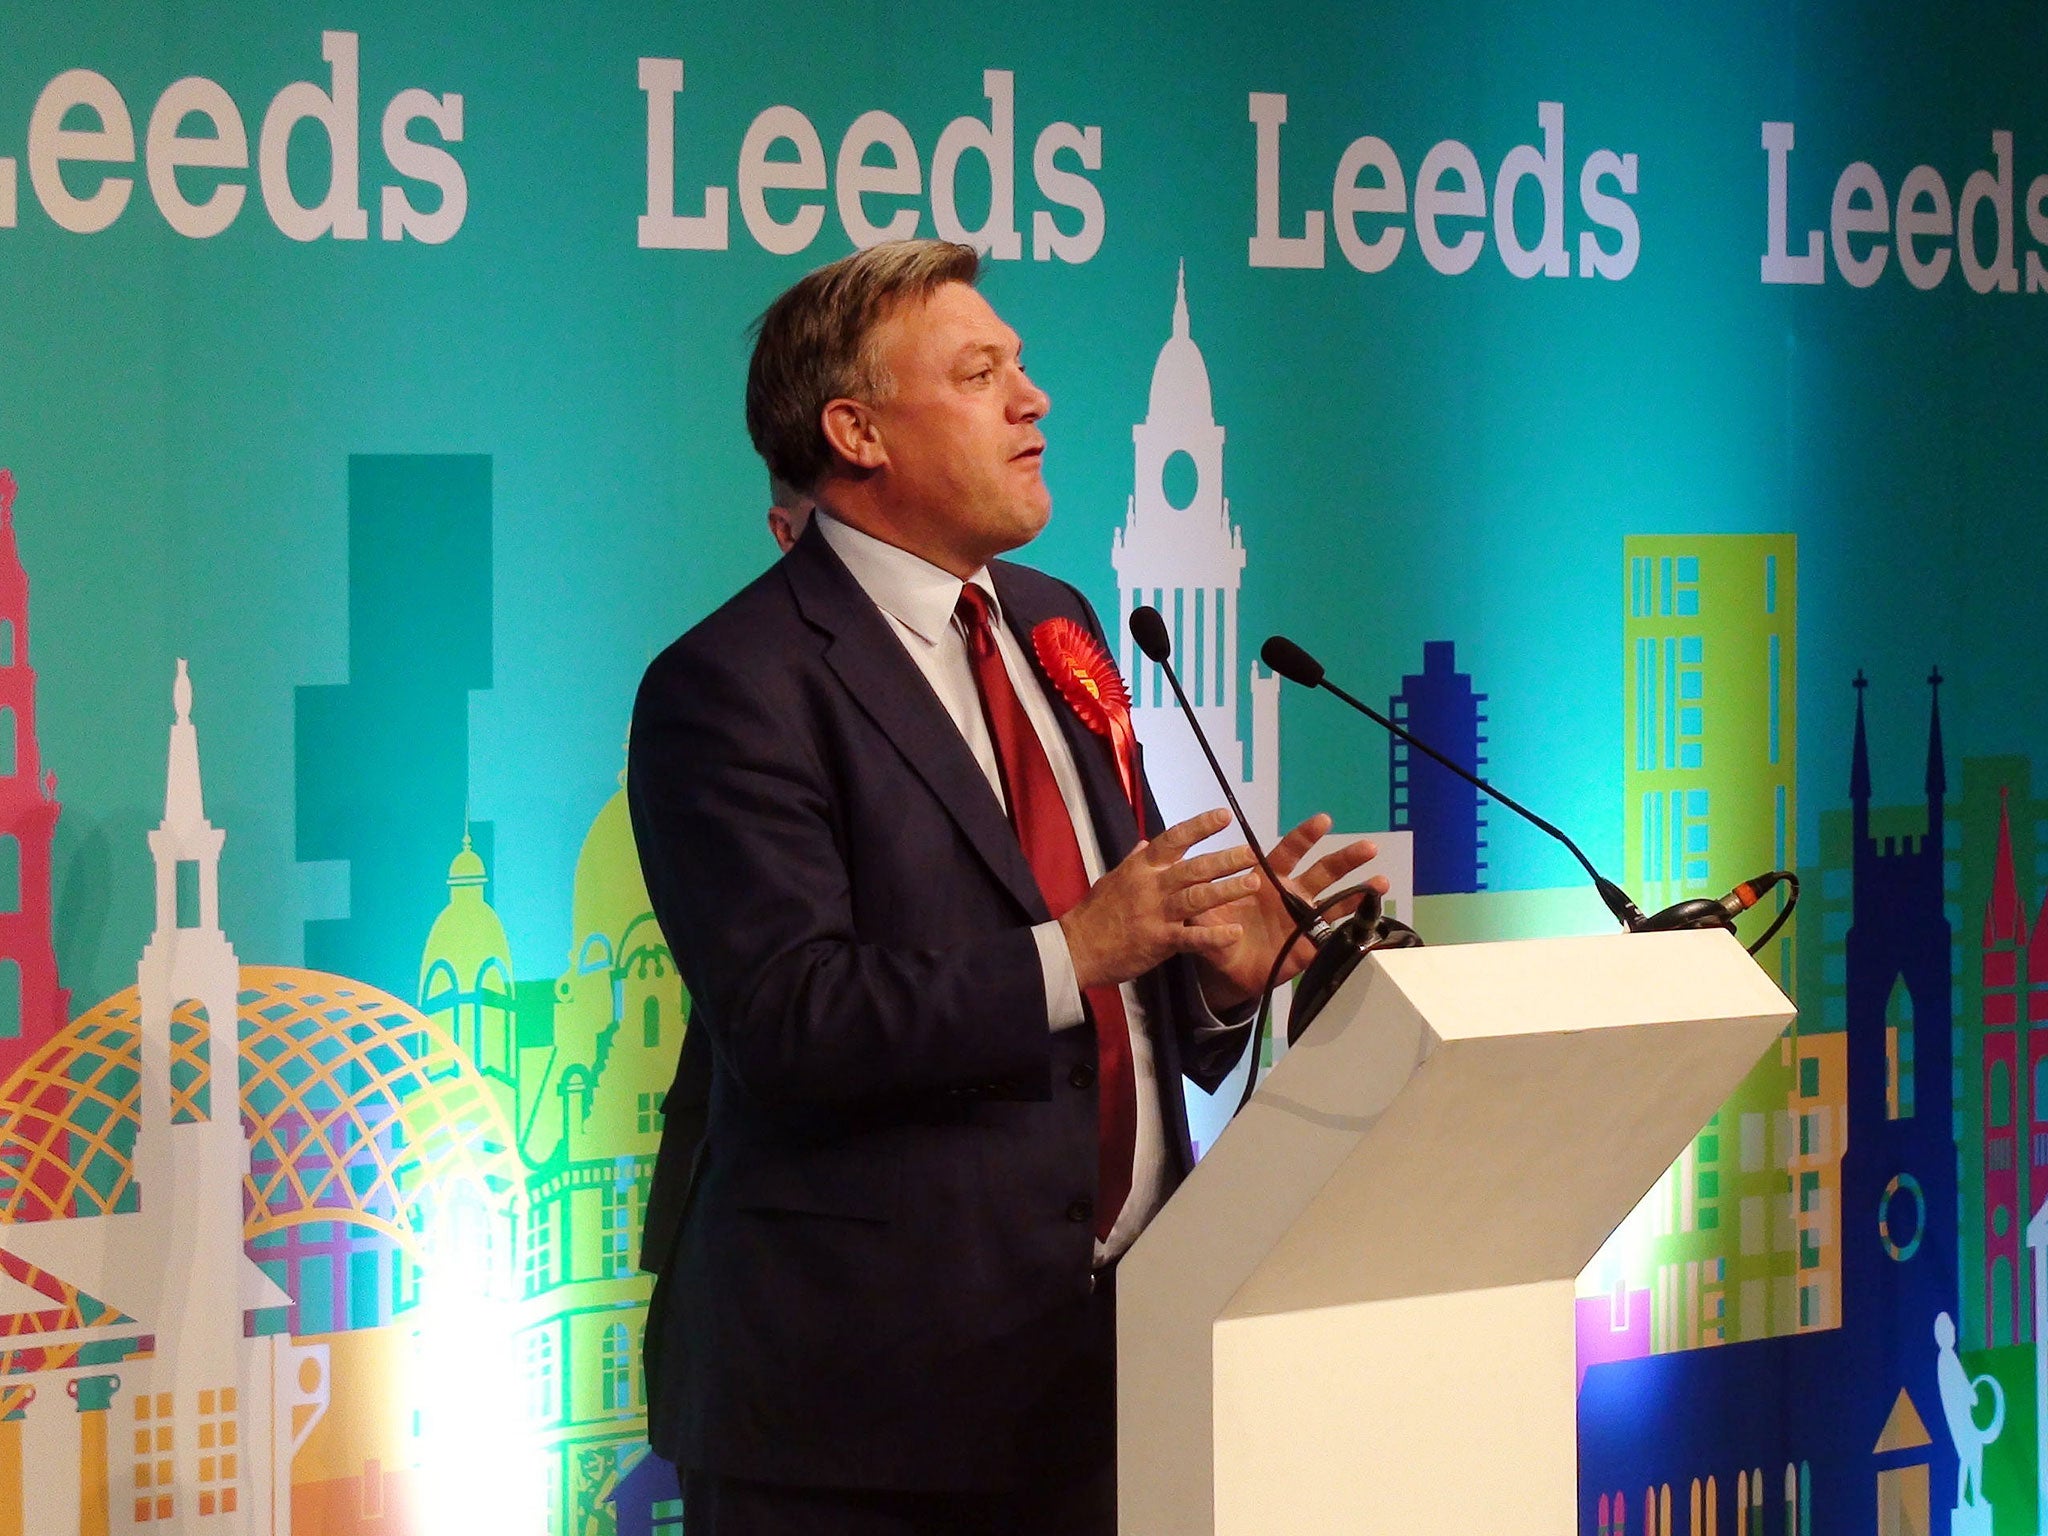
[1357, 1315]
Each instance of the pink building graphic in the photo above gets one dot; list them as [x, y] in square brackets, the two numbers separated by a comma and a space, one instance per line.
[33, 1007]
[2014, 1087]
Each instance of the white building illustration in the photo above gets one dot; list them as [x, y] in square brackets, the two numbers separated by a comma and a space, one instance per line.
[145, 1406]
[1179, 552]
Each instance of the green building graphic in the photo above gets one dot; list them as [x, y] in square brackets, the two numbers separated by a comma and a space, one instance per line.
[1710, 671]
[580, 1064]
[1736, 1232]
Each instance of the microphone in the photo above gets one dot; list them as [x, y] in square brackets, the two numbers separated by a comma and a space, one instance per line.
[1297, 666]
[1148, 628]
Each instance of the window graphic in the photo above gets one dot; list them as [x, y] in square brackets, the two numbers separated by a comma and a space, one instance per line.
[219, 1452]
[155, 1458]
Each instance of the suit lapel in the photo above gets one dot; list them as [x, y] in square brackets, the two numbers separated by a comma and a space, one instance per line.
[888, 687]
[1116, 830]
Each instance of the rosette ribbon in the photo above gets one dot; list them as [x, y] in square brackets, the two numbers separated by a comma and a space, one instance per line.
[1088, 680]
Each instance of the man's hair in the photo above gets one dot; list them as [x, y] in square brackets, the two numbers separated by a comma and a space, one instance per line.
[816, 343]
[784, 495]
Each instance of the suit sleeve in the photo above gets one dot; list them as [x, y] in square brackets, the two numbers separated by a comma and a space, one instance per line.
[733, 811]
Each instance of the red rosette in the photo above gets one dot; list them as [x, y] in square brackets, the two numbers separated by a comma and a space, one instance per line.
[1088, 680]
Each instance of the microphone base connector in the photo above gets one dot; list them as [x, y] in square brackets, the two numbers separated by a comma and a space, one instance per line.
[1338, 958]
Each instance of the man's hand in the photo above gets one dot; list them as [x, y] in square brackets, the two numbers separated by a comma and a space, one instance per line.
[1232, 973]
[1143, 911]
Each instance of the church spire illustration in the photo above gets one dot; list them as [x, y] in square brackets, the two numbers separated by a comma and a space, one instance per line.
[1179, 551]
[33, 1007]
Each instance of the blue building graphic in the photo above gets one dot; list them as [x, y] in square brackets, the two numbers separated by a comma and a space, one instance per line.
[1827, 1430]
[1439, 705]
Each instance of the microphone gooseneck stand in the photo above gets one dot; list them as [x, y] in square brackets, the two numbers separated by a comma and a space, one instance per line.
[1297, 666]
[1339, 948]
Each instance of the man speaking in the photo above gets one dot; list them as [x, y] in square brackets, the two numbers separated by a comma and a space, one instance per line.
[947, 984]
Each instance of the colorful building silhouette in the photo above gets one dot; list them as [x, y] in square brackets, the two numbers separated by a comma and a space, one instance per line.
[1709, 707]
[382, 760]
[582, 1078]
[2002, 1114]
[1439, 705]
[33, 1007]
[1828, 1428]
[2010, 1070]
[1709, 662]
[166, 1399]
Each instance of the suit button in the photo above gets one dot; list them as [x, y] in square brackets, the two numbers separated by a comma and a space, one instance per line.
[1081, 1210]
[1083, 1076]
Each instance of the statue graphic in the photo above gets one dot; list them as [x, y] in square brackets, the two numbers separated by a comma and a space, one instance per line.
[1959, 1406]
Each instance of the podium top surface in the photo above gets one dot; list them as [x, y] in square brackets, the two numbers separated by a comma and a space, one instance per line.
[1601, 981]
[1465, 1116]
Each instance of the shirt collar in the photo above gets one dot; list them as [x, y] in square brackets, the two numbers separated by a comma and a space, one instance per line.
[910, 589]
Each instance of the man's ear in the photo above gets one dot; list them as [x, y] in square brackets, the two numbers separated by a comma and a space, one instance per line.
[853, 434]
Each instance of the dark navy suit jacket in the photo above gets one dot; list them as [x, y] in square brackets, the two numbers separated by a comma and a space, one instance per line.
[875, 1265]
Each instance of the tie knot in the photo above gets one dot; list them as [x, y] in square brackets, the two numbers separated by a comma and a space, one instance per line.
[973, 613]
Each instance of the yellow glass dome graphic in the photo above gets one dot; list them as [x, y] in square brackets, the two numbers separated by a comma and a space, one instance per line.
[356, 1106]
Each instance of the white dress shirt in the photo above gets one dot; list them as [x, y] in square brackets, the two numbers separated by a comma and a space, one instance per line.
[917, 599]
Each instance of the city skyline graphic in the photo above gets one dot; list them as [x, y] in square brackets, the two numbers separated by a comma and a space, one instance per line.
[401, 1295]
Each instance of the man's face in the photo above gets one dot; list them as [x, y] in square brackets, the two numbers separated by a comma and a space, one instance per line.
[958, 433]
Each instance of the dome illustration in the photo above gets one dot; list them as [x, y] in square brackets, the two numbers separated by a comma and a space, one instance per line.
[611, 895]
[1180, 378]
[468, 938]
[356, 1106]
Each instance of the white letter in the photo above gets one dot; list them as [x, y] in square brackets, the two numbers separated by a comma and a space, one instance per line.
[7, 209]
[2037, 226]
[1873, 216]
[424, 162]
[1610, 213]
[339, 210]
[1269, 248]
[1432, 202]
[996, 142]
[1548, 255]
[757, 173]
[1923, 185]
[856, 178]
[226, 148]
[661, 228]
[1069, 191]
[1778, 267]
[1348, 199]
[1982, 186]
[49, 145]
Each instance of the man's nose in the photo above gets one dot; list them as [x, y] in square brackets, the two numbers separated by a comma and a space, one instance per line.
[1032, 402]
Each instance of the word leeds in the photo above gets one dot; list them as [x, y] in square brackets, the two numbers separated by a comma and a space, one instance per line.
[1926, 225]
[876, 168]
[81, 125]
[1449, 208]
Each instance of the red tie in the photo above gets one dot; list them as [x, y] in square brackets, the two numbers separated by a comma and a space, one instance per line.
[1039, 813]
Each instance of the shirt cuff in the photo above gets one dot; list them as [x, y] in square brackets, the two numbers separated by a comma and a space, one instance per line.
[1211, 1023]
[1063, 1008]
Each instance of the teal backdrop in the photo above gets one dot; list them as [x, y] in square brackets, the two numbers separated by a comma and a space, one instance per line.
[411, 464]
